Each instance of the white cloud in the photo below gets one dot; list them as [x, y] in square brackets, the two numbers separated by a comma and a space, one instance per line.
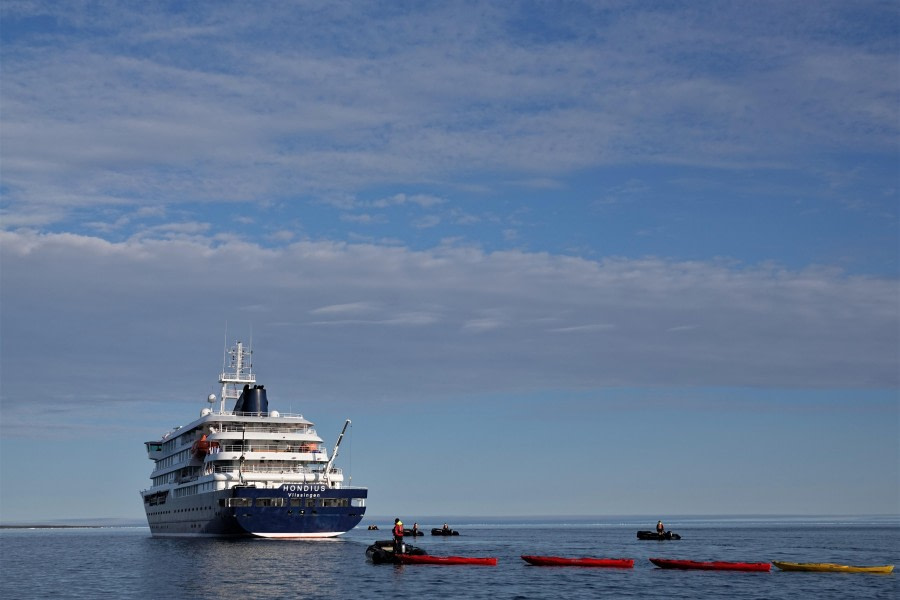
[352, 308]
[483, 324]
[72, 302]
[88, 120]
[426, 222]
[593, 327]
[422, 200]
[364, 219]
[283, 236]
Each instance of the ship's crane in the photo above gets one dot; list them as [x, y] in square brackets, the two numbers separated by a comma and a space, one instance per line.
[334, 453]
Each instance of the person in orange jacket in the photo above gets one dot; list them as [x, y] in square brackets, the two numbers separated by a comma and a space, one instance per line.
[398, 536]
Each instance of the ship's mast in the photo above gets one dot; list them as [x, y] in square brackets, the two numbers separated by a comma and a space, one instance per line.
[239, 375]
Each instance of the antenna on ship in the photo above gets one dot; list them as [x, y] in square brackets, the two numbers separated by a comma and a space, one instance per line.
[236, 373]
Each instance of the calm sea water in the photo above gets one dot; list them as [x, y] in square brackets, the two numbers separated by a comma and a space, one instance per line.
[128, 563]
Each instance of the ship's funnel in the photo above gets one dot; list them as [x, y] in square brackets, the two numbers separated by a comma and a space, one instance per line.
[252, 400]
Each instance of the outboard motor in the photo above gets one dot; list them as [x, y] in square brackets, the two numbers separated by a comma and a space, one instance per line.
[252, 400]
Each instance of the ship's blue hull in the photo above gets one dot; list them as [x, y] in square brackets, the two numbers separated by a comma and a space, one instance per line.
[301, 510]
[289, 511]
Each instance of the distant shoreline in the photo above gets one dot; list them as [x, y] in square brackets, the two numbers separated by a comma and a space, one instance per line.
[65, 526]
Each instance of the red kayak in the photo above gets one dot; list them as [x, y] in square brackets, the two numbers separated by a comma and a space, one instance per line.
[427, 559]
[711, 565]
[559, 561]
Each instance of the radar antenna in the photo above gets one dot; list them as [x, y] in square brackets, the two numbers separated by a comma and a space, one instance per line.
[236, 373]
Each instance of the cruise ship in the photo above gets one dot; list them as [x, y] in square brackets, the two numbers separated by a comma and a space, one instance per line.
[248, 471]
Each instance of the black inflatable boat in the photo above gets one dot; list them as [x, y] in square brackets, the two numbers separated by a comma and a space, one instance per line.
[382, 552]
[652, 535]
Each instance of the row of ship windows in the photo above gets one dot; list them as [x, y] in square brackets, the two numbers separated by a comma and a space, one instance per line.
[268, 502]
[174, 459]
[192, 490]
[154, 513]
[281, 501]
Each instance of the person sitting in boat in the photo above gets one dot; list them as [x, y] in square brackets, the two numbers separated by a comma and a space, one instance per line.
[398, 536]
[660, 528]
[446, 527]
[415, 529]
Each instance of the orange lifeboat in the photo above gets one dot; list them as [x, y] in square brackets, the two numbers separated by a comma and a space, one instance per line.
[201, 448]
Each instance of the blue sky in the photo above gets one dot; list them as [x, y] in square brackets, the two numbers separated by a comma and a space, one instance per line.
[545, 255]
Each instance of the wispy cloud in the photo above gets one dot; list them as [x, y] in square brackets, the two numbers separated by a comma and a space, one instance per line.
[353, 308]
[594, 327]
[814, 327]
[89, 120]
[363, 218]
[422, 200]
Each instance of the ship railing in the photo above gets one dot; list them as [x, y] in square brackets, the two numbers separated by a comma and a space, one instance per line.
[257, 448]
[232, 413]
[259, 469]
[272, 469]
[265, 429]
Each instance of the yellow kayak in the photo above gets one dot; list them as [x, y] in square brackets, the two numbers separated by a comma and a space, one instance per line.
[831, 567]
